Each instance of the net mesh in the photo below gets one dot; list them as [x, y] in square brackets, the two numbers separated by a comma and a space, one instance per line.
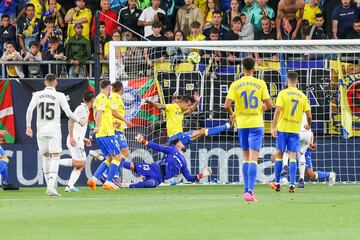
[329, 75]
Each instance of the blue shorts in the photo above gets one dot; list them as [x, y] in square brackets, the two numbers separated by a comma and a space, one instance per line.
[251, 138]
[308, 162]
[185, 137]
[108, 145]
[120, 136]
[149, 171]
[2, 152]
[288, 141]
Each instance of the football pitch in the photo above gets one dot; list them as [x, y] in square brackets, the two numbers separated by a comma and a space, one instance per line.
[183, 212]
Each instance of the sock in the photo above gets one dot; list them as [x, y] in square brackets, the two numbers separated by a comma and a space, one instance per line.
[120, 167]
[245, 172]
[66, 162]
[321, 175]
[145, 184]
[99, 171]
[215, 130]
[113, 169]
[45, 166]
[302, 164]
[292, 171]
[74, 176]
[53, 172]
[278, 168]
[4, 172]
[285, 159]
[252, 176]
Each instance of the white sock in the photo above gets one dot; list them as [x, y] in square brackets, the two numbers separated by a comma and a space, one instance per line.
[285, 159]
[66, 162]
[45, 166]
[302, 163]
[74, 176]
[53, 172]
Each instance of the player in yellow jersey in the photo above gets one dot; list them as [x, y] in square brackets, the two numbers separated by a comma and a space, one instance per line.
[4, 160]
[251, 98]
[291, 103]
[174, 120]
[105, 136]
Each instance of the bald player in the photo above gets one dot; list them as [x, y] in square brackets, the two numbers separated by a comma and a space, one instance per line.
[287, 24]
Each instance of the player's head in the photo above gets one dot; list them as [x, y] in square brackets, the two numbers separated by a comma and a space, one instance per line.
[105, 86]
[248, 65]
[50, 80]
[88, 98]
[176, 99]
[292, 79]
[118, 87]
[186, 102]
[179, 145]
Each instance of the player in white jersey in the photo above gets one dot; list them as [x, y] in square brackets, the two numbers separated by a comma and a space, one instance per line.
[48, 104]
[76, 142]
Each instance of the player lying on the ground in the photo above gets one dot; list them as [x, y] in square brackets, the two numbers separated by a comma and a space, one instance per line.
[174, 120]
[76, 141]
[172, 165]
[4, 160]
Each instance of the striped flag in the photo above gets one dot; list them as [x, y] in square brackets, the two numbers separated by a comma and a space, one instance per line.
[6, 111]
[135, 91]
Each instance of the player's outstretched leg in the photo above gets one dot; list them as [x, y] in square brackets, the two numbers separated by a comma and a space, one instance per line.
[196, 134]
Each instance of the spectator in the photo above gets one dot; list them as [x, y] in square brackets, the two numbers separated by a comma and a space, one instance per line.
[327, 9]
[201, 4]
[225, 5]
[34, 55]
[288, 25]
[55, 52]
[316, 31]
[169, 34]
[66, 4]
[106, 15]
[355, 33]
[50, 30]
[7, 32]
[11, 54]
[129, 16]
[247, 30]
[169, 8]
[343, 18]
[117, 5]
[158, 53]
[266, 33]
[8, 7]
[216, 23]
[143, 4]
[262, 11]
[28, 28]
[273, 22]
[148, 16]
[39, 7]
[211, 56]
[103, 39]
[186, 15]
[178, 54]
[211, 5]
[251, 9]
[78, 51]
[231, 13]
[310, 10]
[79, 14]
[196, 34]
[234, 33]
[116, 36]
[93, 6]
[57, 12]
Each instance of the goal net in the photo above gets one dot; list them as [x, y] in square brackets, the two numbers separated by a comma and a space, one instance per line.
[329, 74]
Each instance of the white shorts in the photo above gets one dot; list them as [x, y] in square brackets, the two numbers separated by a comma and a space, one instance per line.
[77, 152]
[49, 144]
[305, 138]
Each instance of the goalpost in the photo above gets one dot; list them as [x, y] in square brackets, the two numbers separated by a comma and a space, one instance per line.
[329, 73]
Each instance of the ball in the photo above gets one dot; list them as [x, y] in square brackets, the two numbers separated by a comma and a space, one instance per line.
[194, 58]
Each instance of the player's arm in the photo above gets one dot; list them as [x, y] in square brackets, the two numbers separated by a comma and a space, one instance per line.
[267, 103]
[29, 114]
[299, 20]
[117, 115]
[66, 108]
[275, 121]
[279, 16]
[230, 98]
[71, 132]
[194, 178]
[155, 104]
[157, 147]
[99, 115]
[309, 119]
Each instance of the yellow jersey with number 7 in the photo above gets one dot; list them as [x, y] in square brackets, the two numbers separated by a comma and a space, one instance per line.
[293, 104]
[248, 93]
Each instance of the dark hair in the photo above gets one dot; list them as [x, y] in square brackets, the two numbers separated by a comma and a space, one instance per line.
[116, 31]
[101, 23]
[217, 11]
[33, 43]
[104, 83]
[273, 19]
[182, 33]
[248, 63]
[236, 19]
[50, 77]
[11, 42]
[195, 24]
[292, 76]
[29, 5]
[53, 39]
[357, 21]
[319, 15]
[243, 14]
[265, 18]
[50, 19]
[117, 86]
[175, 141]
[213, 30]
[88, 96]
[187, 99]
[4, 16]
[156, 24]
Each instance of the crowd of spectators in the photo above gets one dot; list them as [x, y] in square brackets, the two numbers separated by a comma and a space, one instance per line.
[38, 30]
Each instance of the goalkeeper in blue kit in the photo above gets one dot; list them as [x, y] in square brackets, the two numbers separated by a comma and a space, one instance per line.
[174, 163]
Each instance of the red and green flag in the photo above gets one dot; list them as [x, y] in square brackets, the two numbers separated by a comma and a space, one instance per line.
[7, 121]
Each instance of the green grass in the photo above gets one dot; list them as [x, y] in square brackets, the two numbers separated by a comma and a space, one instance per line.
[182, 212]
